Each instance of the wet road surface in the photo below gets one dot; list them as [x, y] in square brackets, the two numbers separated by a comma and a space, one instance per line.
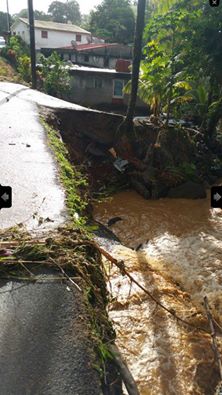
[26, 163]
[44, 345]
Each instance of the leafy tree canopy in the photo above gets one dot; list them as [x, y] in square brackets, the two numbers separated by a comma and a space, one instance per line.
[113, 20]
[39, 15]
[64, 12]
[181, 72]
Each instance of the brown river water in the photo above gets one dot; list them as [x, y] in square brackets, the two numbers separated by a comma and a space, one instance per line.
[179, 263]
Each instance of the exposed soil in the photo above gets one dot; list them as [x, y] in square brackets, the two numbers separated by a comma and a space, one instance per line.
[159, 159]
[7, 73]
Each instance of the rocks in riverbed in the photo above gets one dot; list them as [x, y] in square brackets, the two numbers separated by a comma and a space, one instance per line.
[140, 188]
[188, 190]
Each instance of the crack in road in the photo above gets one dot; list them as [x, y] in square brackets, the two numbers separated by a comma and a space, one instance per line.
[11, 95]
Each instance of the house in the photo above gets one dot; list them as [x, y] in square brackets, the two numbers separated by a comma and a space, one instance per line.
[94, 54]
[51, 34]
[102, 89]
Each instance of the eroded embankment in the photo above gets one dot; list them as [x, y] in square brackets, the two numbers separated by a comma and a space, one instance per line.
[162, 161]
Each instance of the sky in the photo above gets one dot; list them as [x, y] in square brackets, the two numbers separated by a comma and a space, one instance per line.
[42, 5]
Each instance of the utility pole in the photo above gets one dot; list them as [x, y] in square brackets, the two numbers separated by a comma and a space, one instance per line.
[32, 42]
[8, 17]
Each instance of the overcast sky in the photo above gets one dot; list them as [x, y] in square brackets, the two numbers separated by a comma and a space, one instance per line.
[42, 5]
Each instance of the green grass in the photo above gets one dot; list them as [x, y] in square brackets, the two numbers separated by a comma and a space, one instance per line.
[74, 182]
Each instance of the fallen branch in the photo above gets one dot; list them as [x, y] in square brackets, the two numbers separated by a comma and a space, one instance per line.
[127, 377]
[66, 275]
[121, 266]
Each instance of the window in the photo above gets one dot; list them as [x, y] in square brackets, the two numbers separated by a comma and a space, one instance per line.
[44, 34]
[86, 58]
[98, 83]
[118, 88]
[78, 37]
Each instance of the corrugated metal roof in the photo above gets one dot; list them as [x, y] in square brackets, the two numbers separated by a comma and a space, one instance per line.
[96, 70]
[63, 27]
[87, 47]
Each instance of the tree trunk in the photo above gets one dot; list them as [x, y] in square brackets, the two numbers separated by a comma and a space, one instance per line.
[127, 125]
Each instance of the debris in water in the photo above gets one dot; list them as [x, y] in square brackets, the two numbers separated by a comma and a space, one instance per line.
[120, 164]
[141, 246]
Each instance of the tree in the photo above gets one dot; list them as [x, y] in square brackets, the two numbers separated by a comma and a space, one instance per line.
[23, 13]
[55, 77]
[42, 16]
[126, 127]
[39, 15]
[181, 72]
[113, 20]
[64, 12]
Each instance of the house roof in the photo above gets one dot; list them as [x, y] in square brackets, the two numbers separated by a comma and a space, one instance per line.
[48, 25]
[90, 46]
[98, 71]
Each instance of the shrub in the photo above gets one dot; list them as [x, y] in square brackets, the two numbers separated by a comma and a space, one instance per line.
[15, 48]
[24, 67]
[55, 77]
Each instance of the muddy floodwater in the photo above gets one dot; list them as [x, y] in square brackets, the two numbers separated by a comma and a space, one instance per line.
[180, 262]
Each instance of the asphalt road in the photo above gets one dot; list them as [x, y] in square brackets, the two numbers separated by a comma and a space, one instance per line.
[44, 346]
[44, 343]
[26, 163]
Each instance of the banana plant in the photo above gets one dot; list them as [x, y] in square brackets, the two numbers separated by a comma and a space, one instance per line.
[197, 93]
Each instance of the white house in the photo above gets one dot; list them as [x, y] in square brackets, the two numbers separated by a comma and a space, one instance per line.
[51, 34]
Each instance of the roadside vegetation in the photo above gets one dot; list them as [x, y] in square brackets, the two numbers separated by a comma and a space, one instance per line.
[7, 72]
[74, 182]
[180, 71]
[52, 76]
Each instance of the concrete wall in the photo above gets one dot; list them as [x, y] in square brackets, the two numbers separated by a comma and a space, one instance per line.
[92, 90]
[93, 60]
[56, 39]
[97, 61]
